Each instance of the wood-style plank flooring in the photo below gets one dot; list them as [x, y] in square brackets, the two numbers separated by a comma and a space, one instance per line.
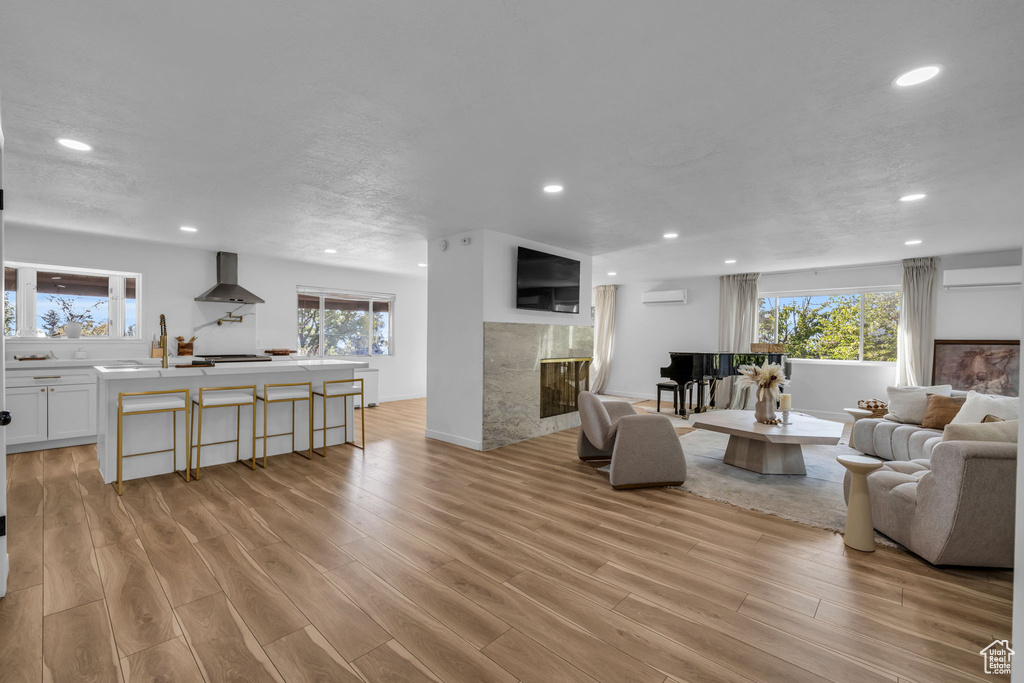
[422, 561]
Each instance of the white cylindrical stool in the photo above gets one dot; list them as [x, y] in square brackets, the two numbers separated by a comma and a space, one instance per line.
[860, 531]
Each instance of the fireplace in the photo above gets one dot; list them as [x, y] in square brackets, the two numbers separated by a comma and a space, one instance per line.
[561, 381]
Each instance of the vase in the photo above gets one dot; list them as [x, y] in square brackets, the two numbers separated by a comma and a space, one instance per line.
[73, 330]
[764, 408]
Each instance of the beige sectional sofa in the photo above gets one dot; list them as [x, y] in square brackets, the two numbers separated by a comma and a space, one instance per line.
[890, 440]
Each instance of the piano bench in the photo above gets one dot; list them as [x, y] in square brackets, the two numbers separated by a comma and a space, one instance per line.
[672, 386]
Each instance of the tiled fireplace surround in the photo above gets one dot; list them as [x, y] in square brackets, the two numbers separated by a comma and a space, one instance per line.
[512, 365]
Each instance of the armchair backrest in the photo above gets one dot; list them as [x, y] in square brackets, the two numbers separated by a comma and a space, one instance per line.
[594, 418]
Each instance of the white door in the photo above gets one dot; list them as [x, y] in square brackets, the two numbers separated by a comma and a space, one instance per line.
[29, 404]
[4, 416]
[71, 411]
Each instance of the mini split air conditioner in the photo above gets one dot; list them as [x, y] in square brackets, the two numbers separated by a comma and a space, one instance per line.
[670, 296]
[1002, 276]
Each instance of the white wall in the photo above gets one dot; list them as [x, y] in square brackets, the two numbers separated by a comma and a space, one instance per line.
[501, 254]
[173, 276]
[646, 333]
[470, 284]
[455, 335]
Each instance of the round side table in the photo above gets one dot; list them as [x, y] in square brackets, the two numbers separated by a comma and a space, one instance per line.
[860, 532]
[858, 413]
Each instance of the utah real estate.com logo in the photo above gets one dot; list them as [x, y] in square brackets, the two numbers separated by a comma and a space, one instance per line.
[998, 657]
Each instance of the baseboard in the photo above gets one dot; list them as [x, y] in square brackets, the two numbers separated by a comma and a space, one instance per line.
[825, 415]
[630, 394]
[402, 397]
[46, 445]
[451, 438]
[5, 567]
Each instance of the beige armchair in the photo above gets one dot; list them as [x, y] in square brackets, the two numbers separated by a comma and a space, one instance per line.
[955, 509]
[644, 449]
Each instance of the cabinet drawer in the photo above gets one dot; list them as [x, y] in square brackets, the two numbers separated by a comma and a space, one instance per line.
[42, 379]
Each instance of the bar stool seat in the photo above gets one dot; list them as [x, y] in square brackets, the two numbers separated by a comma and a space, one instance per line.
[139, 404]
[343, 389]
[287, 393]
[222, 398]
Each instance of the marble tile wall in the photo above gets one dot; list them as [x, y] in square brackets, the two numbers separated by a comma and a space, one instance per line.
[512, 355]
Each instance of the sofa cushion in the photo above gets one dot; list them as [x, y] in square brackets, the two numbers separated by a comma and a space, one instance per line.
[908, 404]
[941, 410]
[928, 447]
[917, 441]
[978, 406]
[882, 438]
[1005, 432]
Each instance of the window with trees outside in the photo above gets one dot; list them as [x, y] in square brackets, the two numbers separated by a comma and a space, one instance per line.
[857, 326]
[40, 301]
[338, 323]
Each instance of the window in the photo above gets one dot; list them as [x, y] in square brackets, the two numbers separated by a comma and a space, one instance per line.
[858, 326]
[40, 301]
[345, 323]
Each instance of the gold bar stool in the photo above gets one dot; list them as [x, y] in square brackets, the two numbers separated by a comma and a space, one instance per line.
[286, 393]
[148, 403]
[221, 397]
[338, 388]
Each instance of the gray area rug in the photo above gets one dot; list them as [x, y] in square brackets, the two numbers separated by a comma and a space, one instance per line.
[815, 499]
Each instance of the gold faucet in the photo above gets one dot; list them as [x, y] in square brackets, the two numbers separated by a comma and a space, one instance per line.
[163, 340]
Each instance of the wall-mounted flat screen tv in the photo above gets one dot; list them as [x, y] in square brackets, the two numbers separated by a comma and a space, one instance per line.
[545, 282]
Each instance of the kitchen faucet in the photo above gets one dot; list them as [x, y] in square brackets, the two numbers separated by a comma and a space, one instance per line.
[163, 340]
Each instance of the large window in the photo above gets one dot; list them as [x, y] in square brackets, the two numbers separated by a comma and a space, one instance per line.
[345, 323]
[858, 326]
[40, 301]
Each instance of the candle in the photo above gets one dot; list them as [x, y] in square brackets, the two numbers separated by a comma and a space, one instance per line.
[786, 402]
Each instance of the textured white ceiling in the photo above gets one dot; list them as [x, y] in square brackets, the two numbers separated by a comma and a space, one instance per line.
[768, 132]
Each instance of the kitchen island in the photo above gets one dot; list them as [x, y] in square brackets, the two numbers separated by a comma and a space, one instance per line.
[151, 432]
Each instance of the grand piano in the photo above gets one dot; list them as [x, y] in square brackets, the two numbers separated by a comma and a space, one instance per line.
[704, 370]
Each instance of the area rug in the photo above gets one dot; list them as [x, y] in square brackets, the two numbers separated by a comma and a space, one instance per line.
[815, 499]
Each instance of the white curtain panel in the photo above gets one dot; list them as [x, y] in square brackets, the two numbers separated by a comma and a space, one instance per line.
[916, 337]
[737, 312]
[604, 337]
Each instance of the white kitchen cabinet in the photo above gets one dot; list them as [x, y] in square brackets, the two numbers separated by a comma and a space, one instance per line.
[71, 411]
[28, 405]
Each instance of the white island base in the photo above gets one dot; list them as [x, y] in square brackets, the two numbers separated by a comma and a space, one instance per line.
[152, 432]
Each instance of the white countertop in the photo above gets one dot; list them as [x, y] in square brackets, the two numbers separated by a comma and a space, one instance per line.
[118, 372]
[50, 363]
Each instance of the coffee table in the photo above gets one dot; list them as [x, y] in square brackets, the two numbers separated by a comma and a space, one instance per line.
[768, 449]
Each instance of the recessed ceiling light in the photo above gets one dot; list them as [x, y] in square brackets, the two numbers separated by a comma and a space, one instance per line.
[75, 145]
[911, 243]
[613, 274]
[330, 251]
[925, 73]
[188, 228]
[62, 286]
[912, 197]
[422, 265]
[56, 277]
[553, 189]
[732, 260]
[670, 235]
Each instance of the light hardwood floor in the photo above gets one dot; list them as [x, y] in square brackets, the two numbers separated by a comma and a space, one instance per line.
[422, 561]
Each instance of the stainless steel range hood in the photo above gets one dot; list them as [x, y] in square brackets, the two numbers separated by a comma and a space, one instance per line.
[227, 290]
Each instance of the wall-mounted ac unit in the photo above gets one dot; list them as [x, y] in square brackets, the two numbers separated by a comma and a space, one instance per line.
[1001, 276]
[669, 296]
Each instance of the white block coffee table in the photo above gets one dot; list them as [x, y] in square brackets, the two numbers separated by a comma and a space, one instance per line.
[768, 449]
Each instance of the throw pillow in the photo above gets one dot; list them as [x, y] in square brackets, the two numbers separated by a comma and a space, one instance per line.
[978, 406]
[993, 418]
[941, 410]
[908, 404]
[1005, 431]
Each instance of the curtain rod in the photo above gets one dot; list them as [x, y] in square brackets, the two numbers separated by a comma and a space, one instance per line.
[816, 270]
